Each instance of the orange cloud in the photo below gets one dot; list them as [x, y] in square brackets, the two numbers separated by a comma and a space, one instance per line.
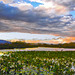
[64, 40]
[53, 41]
[69, 39]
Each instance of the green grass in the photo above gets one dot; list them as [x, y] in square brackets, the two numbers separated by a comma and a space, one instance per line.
[38, 63]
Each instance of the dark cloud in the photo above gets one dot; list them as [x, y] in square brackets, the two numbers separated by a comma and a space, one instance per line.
[13, 13]
[3, 27]
[35, 21]
[70, 4]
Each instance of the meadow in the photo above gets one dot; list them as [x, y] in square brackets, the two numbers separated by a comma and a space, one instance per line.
[38, 63]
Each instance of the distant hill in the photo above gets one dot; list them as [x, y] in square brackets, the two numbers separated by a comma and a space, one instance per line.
[4, 41]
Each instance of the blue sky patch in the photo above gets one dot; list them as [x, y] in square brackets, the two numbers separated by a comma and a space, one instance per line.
[72, 13]
[35, 4]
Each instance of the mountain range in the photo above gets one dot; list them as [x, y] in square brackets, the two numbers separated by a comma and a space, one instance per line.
[4, 41]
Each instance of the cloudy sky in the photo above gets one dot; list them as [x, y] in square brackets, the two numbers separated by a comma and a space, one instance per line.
[24, 18]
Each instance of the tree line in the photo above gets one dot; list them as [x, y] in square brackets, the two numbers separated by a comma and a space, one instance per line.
[20, 44]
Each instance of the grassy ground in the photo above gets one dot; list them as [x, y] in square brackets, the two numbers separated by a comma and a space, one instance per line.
[38, 63]
[2, 53]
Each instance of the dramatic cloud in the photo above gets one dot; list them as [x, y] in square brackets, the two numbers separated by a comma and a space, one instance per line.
[50, 17]
[22, 6]
[70, 4]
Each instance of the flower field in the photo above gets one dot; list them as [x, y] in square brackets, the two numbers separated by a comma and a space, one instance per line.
[38, 63]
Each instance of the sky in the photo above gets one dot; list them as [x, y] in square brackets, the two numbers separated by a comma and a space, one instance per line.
[26, 36]
[31, 19]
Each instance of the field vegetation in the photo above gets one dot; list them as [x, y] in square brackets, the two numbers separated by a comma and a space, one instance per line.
[38, 63]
